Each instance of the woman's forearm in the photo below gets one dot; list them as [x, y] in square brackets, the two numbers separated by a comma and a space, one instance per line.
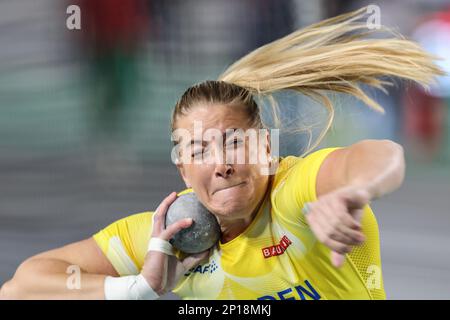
[378, 166]
[52, 279]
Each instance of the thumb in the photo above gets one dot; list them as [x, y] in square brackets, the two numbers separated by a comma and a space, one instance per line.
[337, 259]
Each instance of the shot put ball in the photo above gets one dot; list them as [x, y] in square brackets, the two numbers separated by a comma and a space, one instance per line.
[204, 231]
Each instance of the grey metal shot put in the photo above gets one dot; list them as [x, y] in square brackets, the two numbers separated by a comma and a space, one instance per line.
[204, 231]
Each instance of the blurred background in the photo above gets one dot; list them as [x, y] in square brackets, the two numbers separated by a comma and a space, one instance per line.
[84, 118]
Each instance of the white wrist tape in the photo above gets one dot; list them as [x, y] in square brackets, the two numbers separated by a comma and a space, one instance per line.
[157, 244]
[128, 288]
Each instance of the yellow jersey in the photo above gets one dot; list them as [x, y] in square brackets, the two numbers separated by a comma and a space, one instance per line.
[276, 257]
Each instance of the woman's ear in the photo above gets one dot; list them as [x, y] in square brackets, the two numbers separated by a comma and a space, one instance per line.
[268, 142]
[268, 147]
[272, 160]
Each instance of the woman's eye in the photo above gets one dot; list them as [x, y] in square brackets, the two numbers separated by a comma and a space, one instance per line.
[196, 154]
[235, 142]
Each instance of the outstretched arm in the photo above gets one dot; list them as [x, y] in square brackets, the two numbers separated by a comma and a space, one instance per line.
[375, 166]
[347, 180]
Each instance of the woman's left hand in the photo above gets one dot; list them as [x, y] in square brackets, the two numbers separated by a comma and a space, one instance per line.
[335, 219]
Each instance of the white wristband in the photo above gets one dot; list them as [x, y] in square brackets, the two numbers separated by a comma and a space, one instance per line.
[128, 288]
[157, 244]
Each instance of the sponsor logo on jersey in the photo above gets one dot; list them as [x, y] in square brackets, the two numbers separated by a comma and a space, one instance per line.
[277, 249]
[206, 268]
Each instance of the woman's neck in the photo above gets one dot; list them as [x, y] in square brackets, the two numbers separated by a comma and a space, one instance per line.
[232, 229]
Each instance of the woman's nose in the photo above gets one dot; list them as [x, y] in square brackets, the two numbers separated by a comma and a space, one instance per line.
[224, 170]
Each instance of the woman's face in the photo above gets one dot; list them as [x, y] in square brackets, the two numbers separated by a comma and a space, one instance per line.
[233, 190]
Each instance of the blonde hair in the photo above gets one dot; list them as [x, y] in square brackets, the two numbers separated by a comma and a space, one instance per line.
[334, 55]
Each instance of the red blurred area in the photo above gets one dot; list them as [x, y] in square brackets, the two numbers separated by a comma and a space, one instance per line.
[112, 23]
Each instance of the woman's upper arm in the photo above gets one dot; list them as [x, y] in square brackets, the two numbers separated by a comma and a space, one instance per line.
[331, 174]
[85, 254]
[339, 167]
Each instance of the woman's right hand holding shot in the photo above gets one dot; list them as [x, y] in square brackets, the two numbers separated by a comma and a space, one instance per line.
[163, 270]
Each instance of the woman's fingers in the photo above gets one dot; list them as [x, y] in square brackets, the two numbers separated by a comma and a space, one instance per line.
[338, 214]
[328, 233]
[323, 235]
[335, 219]
[317, 225]
[348, 227]
[337, 259]
[346, 218]
[348, 236]
[334, 245]
[172, 229]
[337, 246]
[329, 221]
[340, 231]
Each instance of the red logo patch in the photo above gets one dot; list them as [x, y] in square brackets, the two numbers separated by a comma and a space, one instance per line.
[277, 249]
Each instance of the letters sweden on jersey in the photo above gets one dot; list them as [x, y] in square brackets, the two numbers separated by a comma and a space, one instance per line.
[276, 257]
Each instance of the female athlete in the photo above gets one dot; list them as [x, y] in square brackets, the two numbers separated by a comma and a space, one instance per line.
[295, 227]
